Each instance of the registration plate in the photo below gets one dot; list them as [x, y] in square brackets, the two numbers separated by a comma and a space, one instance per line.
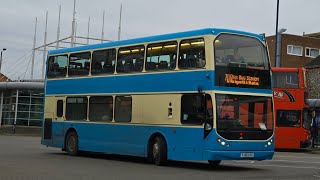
[244, 155]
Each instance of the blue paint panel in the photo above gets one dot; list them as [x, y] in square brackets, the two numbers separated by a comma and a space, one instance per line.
[163, 37]
[184, 143]
[160, 82]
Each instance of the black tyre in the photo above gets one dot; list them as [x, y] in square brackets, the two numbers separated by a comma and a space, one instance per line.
[159, 151]
[214, 163]
[72, 143]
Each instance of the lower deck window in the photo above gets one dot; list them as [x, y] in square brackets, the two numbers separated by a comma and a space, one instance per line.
[76, 108]
[192, 109]
[101, 108]
[288, 118]
[123, 109]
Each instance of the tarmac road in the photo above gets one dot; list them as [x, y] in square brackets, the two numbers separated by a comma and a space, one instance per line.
[25, 158]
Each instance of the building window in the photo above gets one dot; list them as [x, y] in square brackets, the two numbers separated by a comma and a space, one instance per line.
[294, 50]
[192, 54]
[161, 56]
[76, 108]
[123, 109]
[192, 109]
[101, 108]
[312, 52]
[103, 62]
[79, 64]
[59, 108]
[130, 59]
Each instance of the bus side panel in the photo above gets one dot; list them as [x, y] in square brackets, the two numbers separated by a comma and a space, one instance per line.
[183, 143]
[57, 138]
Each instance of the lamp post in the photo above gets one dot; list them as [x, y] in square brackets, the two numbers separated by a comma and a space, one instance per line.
[276, 45]
[1, 58]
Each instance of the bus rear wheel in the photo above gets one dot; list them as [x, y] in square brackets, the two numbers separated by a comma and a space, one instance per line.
[159, 151]
[72, 143]
[214, 163]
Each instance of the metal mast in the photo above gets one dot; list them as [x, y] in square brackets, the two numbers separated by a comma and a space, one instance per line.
[102, 32]
[45, 47]
[58, 30]
[119, 29]
[73, 24]
[34, 48]
[88, 31]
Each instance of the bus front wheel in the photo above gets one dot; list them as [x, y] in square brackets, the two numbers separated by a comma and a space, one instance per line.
[72, 143]
[159, 151]
[214, 163]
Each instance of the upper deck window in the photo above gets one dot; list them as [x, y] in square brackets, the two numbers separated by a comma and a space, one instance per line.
[79, 64]
[130, 59]
[285, 80]
[103, 62]
[57, 66]
[161, 56]
[240, 51]
[192, 54]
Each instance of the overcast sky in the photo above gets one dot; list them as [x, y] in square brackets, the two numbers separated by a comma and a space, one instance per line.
[140, 18]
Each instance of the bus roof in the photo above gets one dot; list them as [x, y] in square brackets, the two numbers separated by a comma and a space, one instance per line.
[214, 31]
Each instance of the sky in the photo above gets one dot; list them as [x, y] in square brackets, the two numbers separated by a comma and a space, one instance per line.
[139, 18]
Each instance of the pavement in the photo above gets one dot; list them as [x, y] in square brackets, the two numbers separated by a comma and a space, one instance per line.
[24, 158]
[21, 131]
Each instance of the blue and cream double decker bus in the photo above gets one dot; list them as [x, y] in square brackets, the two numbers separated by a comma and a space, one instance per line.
[195, 95]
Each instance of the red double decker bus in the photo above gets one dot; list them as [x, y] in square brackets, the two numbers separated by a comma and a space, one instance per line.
[292, 122]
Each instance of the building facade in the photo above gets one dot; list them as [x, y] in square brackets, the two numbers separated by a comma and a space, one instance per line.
[296, 51]
[21, 103]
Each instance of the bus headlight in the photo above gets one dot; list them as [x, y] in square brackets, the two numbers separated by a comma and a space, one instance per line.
[221, 142]
[269, 143]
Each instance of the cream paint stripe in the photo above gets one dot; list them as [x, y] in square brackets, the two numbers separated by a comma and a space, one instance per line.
[115, 94]
[173, 92]
[130, 124]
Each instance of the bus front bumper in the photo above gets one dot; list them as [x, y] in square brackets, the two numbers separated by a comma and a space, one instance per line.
[238, 155]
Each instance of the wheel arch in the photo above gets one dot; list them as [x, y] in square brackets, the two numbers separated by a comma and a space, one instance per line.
[152, 138]
[72, 129]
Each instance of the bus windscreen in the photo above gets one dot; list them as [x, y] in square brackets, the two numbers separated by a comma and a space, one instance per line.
[244, 117]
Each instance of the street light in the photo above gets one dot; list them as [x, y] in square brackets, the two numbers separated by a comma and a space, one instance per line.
[1, 58]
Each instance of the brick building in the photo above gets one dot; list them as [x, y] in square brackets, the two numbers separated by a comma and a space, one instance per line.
[296, 50]
[313, 79]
